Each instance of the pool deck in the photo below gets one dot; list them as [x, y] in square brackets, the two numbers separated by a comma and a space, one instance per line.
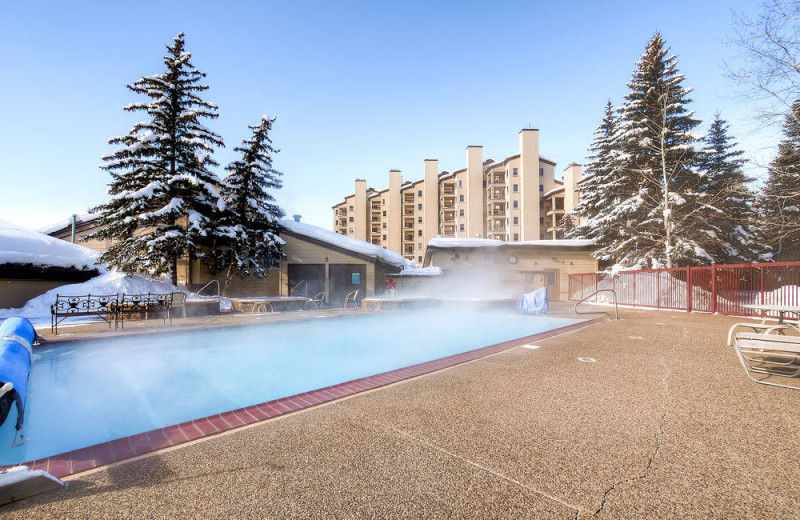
[664, 424]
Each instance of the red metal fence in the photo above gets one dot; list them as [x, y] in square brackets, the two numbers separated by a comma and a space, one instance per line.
[722, 289]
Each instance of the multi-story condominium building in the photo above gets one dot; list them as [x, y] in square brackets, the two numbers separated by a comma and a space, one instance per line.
[516, 199]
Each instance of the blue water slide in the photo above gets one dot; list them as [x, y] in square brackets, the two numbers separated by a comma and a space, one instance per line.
[16, 348]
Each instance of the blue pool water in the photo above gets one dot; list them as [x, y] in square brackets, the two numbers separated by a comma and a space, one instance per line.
[86, 393]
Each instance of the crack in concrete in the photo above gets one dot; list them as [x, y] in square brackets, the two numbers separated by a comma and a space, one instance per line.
[514, 481]
[665, 409]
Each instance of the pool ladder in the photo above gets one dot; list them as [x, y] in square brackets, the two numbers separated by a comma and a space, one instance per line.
[616, 309]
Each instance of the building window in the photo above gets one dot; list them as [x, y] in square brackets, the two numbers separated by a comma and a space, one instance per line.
[516, 237]
[516, 187]
[352, 219]
[461, 213]
[515, 171]
[419, 193]
[419, 259]
[516, 220]
[459, 183]
[528, 277]
[384, 213]
[384, 226]
[351, 208]
[487, 259]
[383, 201]
[516, 204]
[541, 172]
[419, 206]
[419, 245]
[351, 230]
[419, 232]
[541, 187]
[384, 237]
[461, 227]
[419, 219]
[460, 198]
[541, 221]
[541, 204]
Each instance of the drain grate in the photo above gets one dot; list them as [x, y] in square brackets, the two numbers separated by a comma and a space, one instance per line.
[587, 360]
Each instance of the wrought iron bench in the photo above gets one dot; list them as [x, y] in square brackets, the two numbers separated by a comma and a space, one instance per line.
[89, 305]
[142, 304]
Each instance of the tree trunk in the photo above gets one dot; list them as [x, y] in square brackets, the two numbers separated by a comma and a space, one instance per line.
[228, 278]
[173, 271]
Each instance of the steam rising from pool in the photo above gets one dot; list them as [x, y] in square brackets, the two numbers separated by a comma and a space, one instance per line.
[92, 392]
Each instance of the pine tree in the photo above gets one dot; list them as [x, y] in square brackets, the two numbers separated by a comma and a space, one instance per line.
[252, 220]
[599, 190]
[655, 169]
[164, 200]
[728, 215]
[781, 196]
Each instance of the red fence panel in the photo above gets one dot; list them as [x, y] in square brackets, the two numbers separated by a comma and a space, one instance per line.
[723, 289]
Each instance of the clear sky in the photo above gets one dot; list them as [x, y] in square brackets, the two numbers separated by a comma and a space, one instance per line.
[358, 88]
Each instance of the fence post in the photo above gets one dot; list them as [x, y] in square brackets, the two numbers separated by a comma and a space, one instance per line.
[713, 288]
[689, 289]
[762, 284]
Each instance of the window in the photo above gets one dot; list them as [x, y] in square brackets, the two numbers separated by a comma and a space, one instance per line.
[461, 213]
[383, 201]
[419, 259]
[419, 206]
[384, 225]
[460, 198]
[541, 221]
[459, 184]
[516, 220]
[541, 204]
[419, 193]
[515, 171]
[461, 227]
[419, 245]
[352, 219]
[384, 213]
[516, 203]
[487, 259]
[528, 277]
[541, 172]
[516, 237]
[384, 237]
[351, 230]
[419, 219]
[351, 208]
[516, 187]
[541, 187]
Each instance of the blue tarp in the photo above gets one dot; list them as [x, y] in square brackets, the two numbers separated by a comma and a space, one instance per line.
[16, 340]
[534, 302]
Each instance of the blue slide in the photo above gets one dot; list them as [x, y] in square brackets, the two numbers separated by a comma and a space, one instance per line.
[16, 348]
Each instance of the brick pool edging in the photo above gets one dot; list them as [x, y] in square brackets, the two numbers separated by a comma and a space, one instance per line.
[84, 459]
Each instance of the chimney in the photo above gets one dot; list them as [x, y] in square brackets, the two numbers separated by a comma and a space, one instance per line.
[297, 217]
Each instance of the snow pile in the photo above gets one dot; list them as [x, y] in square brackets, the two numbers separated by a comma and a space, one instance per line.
[486, 242]
[344, 242]
[410, 270]
[25, 246]
[37, 310]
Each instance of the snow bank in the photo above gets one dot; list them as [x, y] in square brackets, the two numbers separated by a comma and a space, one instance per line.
[37, 310]
[25, 246]
[344, 242]
[486, 242]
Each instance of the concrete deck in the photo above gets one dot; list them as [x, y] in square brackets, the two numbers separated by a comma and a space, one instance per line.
[664, 424]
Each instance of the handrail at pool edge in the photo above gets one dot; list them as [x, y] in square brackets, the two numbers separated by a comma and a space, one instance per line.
[616, 308]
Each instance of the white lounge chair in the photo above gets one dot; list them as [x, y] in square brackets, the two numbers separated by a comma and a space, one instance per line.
[763, 327]
[768, 354]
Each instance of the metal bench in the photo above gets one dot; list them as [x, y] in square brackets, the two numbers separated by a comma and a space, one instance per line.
[89, 305]
[133, 304]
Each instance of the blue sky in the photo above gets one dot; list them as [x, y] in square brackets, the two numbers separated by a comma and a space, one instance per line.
[358, 88]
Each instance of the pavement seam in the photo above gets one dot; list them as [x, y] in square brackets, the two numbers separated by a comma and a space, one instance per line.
[539, 492]
[661, 427]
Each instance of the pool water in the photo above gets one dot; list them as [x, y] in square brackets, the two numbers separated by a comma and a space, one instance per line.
[86, 393]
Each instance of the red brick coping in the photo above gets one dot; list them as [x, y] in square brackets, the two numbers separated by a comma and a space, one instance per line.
[99, 455]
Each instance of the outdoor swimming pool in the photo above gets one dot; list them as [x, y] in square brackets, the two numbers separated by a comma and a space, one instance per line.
[85, 393]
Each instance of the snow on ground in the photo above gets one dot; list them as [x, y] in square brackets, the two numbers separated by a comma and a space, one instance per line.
[25, 246]
[37, 310]
[344, 242]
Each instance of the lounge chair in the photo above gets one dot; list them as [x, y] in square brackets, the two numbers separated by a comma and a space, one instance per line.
[318, 301]
[762, 327]
[768, 354]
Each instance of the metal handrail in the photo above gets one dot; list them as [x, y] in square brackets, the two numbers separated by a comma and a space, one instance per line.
[298, 284]
[212, 282]
[616, 309]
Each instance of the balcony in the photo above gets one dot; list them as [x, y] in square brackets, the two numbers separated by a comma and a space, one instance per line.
[449, 234]
[408, 213]
[376, 209]
[448, 190]
[408, 250]
[497, 229]
[375, 219]
[496, 196]
[408, 199]
[498, 213]
[496, 180]
[448, 205]
[446, 219]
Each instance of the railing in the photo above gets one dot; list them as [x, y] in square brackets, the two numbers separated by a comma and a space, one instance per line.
[294, 291]
[616, 308]
[722, 289]
[206, 286]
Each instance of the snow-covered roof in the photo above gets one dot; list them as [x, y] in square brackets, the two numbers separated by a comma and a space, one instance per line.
[343, 242]
[55, 226]
[442, 243]
[554, 190]
[420, 271]
[26, 246]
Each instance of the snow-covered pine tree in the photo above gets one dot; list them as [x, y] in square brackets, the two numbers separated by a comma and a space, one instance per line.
[656, 174]
[780, 200]
[729, 214]
[164, 200]
[252, 217]
[599, 190]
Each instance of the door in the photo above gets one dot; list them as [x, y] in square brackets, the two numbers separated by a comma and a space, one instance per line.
[344, 279]
[306, 279]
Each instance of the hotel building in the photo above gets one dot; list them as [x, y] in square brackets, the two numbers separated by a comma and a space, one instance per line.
[516, 199]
